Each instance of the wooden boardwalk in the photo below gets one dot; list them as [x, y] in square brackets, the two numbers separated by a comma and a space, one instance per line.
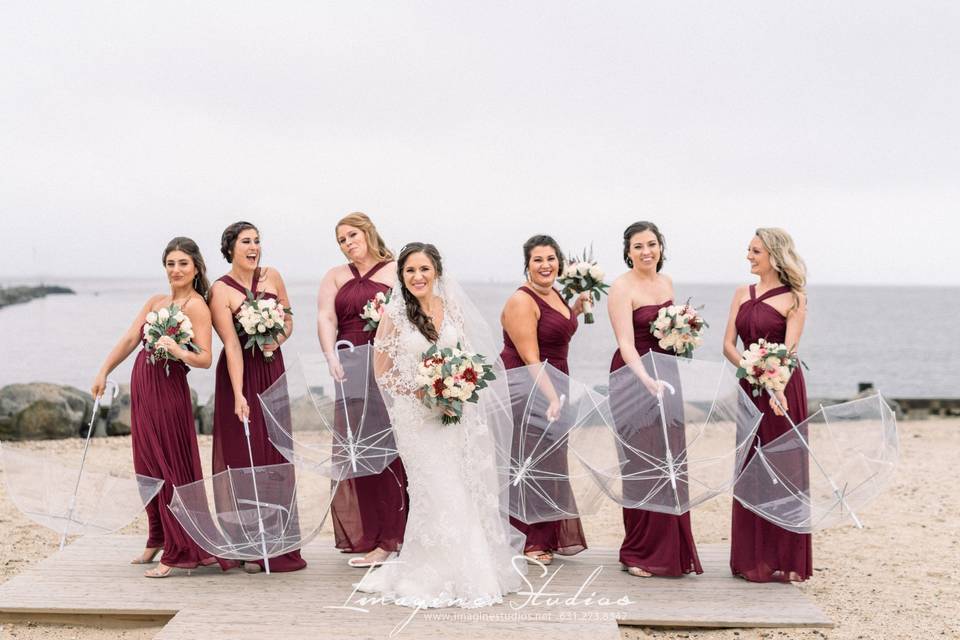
[91, 577]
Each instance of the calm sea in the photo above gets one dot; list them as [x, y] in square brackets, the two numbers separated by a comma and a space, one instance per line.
[904, 340]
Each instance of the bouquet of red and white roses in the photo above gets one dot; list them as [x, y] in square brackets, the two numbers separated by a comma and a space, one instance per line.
[261, 319]
[678, 328]
[767, 366]
[583, 275]
[167, 321]
[373, 310]
[449, 377]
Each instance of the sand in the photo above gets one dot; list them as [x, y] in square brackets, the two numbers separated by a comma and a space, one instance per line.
[893, 579]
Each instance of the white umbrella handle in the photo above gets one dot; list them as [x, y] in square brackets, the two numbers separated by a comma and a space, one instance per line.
[83, 457]
[671, 468]
[256, 497]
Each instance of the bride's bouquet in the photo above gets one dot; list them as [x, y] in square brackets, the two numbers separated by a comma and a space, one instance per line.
[261, 319]
[678, 328]
[373, 310]
[449, 377]
[767, 366]
[581, 275]
[167, 321]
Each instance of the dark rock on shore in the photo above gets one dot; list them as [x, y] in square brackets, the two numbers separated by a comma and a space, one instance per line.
[16, 295]
[42, 411]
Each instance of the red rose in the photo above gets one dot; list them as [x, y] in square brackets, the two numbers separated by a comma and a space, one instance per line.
[171, 331]
[438, 386]
[470, 375]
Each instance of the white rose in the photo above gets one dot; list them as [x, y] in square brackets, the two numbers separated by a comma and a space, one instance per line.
[179, 317]
[146, 328]
[596, 273]
[269, 323]
[163, 315]
[152, 317]
[261, 328]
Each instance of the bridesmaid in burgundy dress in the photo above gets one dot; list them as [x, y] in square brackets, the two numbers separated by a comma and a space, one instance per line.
[774, 309]
[162, 428]
[243, 373]
[655, 543]
[369, 513]
[538, 326]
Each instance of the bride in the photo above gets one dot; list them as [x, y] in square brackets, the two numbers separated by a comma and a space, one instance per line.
[457, 548]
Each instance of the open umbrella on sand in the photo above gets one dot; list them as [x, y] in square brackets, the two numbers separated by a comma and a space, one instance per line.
[824, 470]
[70, 498]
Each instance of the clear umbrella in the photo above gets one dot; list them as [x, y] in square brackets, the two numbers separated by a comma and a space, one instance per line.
[339, 427]
[72, 499]
[259, 512]
[551, 413]
[824, 470]
[672, 450]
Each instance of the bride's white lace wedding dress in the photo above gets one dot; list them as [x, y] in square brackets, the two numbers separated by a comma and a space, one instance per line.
[457, 545]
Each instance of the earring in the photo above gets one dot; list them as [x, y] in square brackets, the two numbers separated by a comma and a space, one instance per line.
[630, 262]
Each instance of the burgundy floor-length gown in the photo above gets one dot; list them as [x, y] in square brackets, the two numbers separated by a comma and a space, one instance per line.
[164, 440]
[659, 543]
[371, 511]
[229, 442]
[760, 551]
[554, 332]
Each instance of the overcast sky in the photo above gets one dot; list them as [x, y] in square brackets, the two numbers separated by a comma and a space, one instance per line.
[476, 124]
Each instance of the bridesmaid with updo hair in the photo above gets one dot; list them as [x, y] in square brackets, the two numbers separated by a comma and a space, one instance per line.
[242, 374]
[538, 325]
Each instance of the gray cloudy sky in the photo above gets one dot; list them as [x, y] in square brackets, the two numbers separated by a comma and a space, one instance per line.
[475, 124]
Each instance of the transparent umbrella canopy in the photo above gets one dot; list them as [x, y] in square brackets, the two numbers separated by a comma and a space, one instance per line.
[825, 470]
[671, 446]
[71, 499]
[335, 425]
[552, 416]
[255, 512]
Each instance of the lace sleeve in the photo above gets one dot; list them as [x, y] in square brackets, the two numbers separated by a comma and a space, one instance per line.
[392, 366]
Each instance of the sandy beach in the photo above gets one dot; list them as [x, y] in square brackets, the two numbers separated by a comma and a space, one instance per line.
[893, 579]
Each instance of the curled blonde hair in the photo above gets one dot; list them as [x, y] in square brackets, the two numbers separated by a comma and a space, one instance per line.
[790, 267]
[375, 243]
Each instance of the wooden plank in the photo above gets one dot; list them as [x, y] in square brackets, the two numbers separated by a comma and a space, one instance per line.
[92, 577]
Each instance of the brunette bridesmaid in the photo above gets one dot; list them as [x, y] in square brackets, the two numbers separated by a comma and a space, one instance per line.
[244, 373]
[162, 428]
[775, 309]
[655, 543]
[369, 513]
[537, 326]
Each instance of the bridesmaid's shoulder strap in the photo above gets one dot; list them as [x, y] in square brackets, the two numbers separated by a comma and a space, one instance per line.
[753, 292]
[540, 301]
[256, 279]
[373, 269]
[775, 292]
[354, 270]
[233, 284]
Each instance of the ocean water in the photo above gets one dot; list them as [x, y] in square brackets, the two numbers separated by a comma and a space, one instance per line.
[905, 340]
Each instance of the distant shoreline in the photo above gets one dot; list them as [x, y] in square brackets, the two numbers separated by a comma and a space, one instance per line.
[18, 295]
